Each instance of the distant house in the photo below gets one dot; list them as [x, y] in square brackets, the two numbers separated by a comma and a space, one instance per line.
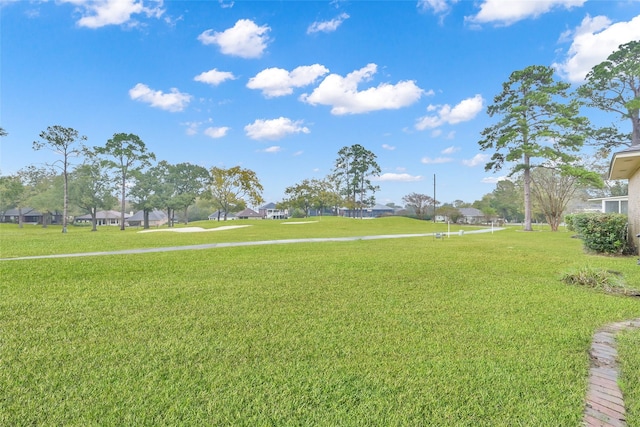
[269, 211]
[248, 214]
[375, 211]
[31, 216]
[471, 215]
[102, 218]
[219, 216]
[156, 219]
[615, 204]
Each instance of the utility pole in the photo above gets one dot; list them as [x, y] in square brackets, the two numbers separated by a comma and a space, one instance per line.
[434, 198]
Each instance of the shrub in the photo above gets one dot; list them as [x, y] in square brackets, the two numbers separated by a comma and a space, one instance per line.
[602, 232]
[599, 279]
[298, 213]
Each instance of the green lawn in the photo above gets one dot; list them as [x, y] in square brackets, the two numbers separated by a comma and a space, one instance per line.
[469, 330]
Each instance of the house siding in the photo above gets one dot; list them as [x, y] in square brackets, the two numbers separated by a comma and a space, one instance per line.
[634, 206]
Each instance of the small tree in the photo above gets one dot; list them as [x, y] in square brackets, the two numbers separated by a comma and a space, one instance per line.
[146, 192]
[451, 213]
[41, 191]
[534, 125]
[507, 201]
[65, 142]
[420, 203]
[302, 196]
[11, 191]
[125, 153]
[187, 182]
[92, 189]
[231, 186]
[353, 170]
[553, 188]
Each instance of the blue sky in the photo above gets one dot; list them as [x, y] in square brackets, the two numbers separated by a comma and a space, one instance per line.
[280, 87]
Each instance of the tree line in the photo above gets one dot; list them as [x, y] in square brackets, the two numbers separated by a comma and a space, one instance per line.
[538, 137]
[124, 166]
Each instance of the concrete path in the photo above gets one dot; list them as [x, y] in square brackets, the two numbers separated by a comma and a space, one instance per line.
[257, 243]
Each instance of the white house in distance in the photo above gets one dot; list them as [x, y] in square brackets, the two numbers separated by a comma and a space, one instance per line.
[270, 211]
[625, 164]
[614, 204]
[102, 218]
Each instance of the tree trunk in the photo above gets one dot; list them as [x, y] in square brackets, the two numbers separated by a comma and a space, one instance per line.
[66, 197]
[94, 219]
[145, 215]
[635, 120]
[122, 205]
[527, 195]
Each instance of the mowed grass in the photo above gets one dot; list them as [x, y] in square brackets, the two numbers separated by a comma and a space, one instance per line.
[470, 330]
[629, 353]
[35, 240]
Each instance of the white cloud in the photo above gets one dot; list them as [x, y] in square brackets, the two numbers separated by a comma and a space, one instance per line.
[593, 41]
[214, 77]
[508, 12]
[466, 110]
[342, 94]
[100, 13]
[436, 161]
[388, 147]
[216, 132]
[272, 149]
[450, 150]
[173, 101]
[327, 26]
[279, 82]
[225, 5]
[437, 6]
[493, 179]
[478, 159]
[192, 128]
[245, 39]
[397, 177]
[297, 153]
[274, 129]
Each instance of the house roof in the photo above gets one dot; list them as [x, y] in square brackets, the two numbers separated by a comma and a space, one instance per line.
[154, 215]
[103, 215]
[470, 212]
[624, 164]
[269, 206]
[248, 213]
[25, 211]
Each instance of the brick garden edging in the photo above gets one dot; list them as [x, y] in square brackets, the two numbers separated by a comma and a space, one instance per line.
[604, 406]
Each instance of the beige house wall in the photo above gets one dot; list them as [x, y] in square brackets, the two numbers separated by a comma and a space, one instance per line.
[634, 206]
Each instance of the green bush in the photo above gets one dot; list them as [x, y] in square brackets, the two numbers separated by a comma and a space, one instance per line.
[298, 213]
[602, 232]
[600, 279]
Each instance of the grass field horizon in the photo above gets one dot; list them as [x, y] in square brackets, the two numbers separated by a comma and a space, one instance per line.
[467, 330]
